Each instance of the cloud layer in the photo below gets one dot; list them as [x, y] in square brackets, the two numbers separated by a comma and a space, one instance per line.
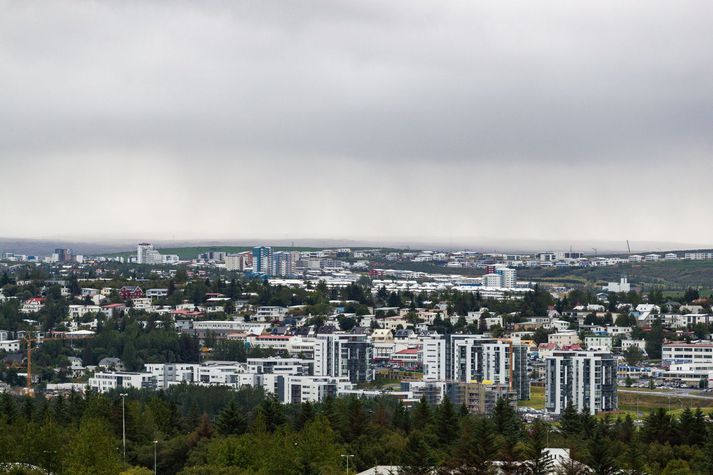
[357, 119]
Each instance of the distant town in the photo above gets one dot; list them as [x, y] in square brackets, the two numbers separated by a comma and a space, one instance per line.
[307, 326]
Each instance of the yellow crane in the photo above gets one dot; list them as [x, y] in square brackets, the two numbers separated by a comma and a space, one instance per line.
[28, 384]
[29, 339]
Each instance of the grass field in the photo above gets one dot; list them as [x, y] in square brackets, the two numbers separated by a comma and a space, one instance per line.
[639, 404]
[673, 275]
[537, 398]
[644, 402]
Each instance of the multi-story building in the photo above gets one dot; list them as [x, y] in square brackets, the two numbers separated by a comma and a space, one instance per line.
[104, 382]
[434, 358]
[680, 352]
[131, 292]
[344, 355]
[10, 346]
[239, 261]
[475, 358]
[282, 263]
[508, 277]
[141, 252]
[262, 260]
[564, 338]
[294, 389]
[62, 255]
[479, 398]
[587, 379]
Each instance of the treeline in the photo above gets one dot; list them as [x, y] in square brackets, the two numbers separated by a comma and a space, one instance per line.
[212, 430]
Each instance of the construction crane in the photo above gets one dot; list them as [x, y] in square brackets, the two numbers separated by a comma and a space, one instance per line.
[29, 339]
[628, 247]
[28, 384]
[595, 251]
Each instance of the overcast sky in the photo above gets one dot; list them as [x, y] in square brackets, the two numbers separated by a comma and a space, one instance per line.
[440, 121]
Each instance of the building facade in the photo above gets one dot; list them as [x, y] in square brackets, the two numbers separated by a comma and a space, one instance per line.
[586, 379]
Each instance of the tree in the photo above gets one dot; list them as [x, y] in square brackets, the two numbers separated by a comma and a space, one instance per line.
[707, 462]
[601, 459]
[538, 461]
[634, 457]
[505, 418]
[569, 421]
[690, 295]
[476, 448]
[654, 339]
[272, 412]
[92, 450]
[231, 421]
[658, 427]
[633, 355]
[446, 422]
[417, 457]
[421, 414]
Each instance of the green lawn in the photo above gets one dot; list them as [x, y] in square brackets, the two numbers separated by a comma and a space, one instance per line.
[537, 398]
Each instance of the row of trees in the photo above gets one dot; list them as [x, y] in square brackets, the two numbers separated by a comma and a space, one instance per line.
[212, 430]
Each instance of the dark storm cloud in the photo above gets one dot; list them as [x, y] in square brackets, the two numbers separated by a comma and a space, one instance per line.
[521, 101]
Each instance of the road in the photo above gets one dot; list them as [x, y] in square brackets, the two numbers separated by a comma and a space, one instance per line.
[673, 394]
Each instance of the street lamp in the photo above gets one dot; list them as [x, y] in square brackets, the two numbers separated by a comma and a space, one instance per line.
[155, 444]
[123, 423]
[347, 456]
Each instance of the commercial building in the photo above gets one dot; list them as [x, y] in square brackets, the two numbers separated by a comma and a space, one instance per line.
[680, 352]
[587, 379]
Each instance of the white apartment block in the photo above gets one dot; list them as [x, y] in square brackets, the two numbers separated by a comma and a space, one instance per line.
[673, 353]
[434, 359]
[270, 313]
[344, 355]
[598, 343]
[105, 382]
[587, 379]
[291, 389]
[698, 256]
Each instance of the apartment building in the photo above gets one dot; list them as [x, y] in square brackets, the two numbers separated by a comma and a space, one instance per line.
[468, 358]
[344, 355]
[108, 381]
[587, 379]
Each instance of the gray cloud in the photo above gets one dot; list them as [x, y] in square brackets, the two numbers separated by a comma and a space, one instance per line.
[435, 120]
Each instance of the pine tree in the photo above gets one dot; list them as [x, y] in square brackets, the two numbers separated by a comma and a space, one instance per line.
[273, 413]
[230, 421]
[476, 447]
[570, 424]
[446, 422]
[356, 420]
[402, 418]
[306, 414]
[8, 409]
[506, 419]
[417, 458]
[538, 462]
[421, 414]
[634, 457]
[601, 459]
[626, 429]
